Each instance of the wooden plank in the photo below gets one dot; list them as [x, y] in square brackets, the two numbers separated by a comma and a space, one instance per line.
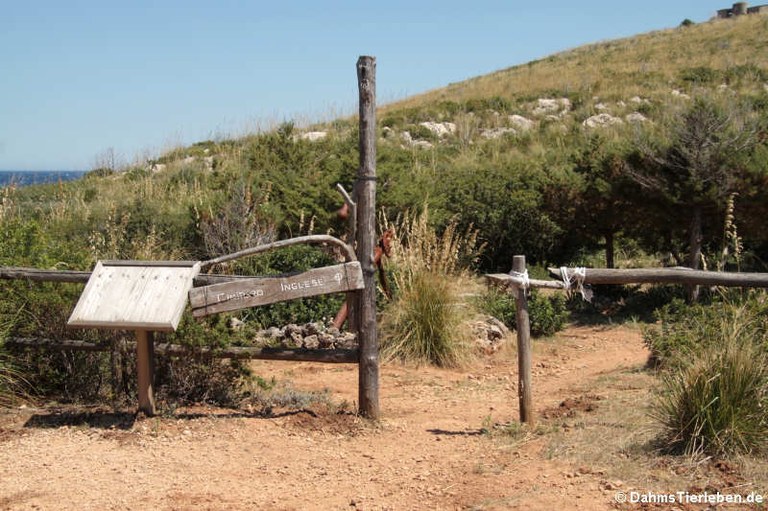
[506, 280]
[365, 195]
[163, 264]
[35, 274]
[253, 292]
[524, 349]
[333, 356]
[141, 297]
[669, 276]
[323, 239]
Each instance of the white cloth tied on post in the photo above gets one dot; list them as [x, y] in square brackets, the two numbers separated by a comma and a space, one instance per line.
[523, 276]
[577, 279]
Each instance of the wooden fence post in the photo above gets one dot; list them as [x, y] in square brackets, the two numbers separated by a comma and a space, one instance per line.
[145, 371]
[368, 375]
[524, 390]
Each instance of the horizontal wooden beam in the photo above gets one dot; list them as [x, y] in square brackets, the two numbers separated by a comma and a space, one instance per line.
[11, 272]
[52, 344]
[668, 276]
[254, 292]
[506, 280]
[334, 356]
[81, 277]
[314, 239]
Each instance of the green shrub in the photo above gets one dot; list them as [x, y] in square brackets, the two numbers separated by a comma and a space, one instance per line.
[683, 329]
[548, 314]
[290, 260]
[716, 401]
[700, 75]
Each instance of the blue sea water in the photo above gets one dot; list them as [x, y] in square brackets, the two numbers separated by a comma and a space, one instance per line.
[26, 178]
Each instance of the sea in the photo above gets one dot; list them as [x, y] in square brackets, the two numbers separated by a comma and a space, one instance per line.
[28, 177]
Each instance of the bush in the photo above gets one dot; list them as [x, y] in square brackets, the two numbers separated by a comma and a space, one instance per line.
[716, 402]
[424, 324]
[429, 271]
[700, 75]
[547, 314]
[714, 393]
[684, 329]
[290, 260]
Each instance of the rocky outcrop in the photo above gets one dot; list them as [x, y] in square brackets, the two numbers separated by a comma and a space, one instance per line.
[549, 106]
[602, 121]
[494, 133]
[441, 129]
[521, 123]
[489, 334]
[314, 136]
[309, 336]
[635, 117]
[410, 142]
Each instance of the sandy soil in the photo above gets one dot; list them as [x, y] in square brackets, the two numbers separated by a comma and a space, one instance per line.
[431, 450]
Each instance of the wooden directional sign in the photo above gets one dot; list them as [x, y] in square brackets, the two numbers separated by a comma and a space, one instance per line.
[135, 295]
[242, 294]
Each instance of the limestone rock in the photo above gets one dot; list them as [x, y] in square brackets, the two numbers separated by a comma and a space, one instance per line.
[601, 121]
[489, 334]
[520, 122]
[441, 129]
[314, 136]
[494, 133]
[546, 106]
[635, 117]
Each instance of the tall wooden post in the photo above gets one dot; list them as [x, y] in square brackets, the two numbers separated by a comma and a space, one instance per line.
[145, 370]
[368, 376]
[524, 390]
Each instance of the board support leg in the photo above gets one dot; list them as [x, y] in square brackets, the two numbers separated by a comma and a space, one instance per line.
[145, 371]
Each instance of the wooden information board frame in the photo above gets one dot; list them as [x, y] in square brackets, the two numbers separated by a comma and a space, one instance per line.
[144, 296]
[135, 295]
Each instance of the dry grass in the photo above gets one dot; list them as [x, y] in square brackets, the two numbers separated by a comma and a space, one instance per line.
[425, 322]
[618, 440]
[642, 65]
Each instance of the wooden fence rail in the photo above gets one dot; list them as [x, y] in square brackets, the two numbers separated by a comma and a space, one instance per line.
[339, 356]
[517, 282]
[81, 277]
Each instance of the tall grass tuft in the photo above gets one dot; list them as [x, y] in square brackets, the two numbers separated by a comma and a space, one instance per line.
[715, 399]
[11, 380]
[423, 323]
[431, 272]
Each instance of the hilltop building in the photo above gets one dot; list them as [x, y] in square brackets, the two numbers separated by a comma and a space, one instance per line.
[741, 8]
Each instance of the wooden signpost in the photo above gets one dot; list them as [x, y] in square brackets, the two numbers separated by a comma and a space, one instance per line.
[242, 294]
[144, 296]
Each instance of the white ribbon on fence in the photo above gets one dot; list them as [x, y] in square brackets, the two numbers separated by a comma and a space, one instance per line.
[577, 279]
[526, 281]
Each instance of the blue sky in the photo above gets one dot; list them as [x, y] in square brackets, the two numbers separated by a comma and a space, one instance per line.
[79, 77]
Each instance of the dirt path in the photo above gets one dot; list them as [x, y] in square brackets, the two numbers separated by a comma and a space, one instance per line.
[430, 451]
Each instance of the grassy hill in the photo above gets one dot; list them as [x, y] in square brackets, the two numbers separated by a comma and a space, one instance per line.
[533, 156]
[735, 50]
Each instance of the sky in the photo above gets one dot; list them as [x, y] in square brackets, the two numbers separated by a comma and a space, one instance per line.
[83, 78]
